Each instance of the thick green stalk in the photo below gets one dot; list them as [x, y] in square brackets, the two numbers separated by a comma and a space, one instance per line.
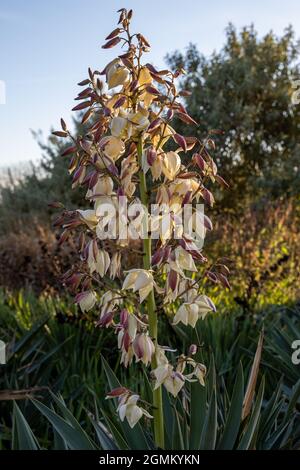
[152, 314]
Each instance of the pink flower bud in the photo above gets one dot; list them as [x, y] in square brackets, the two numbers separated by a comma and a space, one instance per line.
[208, 197]
[172, 279]
[124, 318]
[105, 320]
[151, 156]
[120, 192]
[200, 162]
[126, 341]
[143, 348]
[180, 140]
[154, 124]
[120, 102]
[117, 392]
[187, 198]
[192, 349]
[113, 169]
[157, 257]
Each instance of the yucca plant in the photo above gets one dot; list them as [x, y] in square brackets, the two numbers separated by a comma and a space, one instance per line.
[143, 184]
[283, 346]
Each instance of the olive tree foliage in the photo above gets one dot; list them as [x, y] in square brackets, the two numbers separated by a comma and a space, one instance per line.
[250, 88]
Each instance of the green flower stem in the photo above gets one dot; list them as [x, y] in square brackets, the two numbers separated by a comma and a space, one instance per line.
[152, 314]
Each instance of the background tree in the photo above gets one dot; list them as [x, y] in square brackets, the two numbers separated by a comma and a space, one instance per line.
[246, 89]
[27, 199]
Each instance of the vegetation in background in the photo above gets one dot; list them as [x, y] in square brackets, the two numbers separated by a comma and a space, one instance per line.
[246, 89]
[52, 350]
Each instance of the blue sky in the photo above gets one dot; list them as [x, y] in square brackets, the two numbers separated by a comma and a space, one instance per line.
[46, 47]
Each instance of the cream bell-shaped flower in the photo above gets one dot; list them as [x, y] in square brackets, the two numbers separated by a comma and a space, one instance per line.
[113, 100]
[164, 374]
[102, 262]
[205, 305]
[129, 409]
[171, 165]
[106, 208]
[118, 127]
[112, 147]
[115, 265]
[98, 260]
[86, 300]
[162, 137]
[183, 261]
[199, 373]
[190, 313]
[131, 330]
[139, 121]
[156, 168]
[129, 167]
[172, 380]
[187, 314]
[139, 280]
[144, 80]
[125, 338]
[89, 217]
[184, 186]
[104, 185]
[109, 301]
[116, 74]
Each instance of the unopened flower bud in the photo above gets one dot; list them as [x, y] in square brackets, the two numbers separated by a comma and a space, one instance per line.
[143, 348]
[192, 349]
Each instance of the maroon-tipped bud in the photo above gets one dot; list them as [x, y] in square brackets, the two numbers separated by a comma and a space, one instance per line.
[167, 252]
[93, 180]
[120, 102]
[117, 392]
[154, 124]
[78, 174]
[113, 42]
[172, 279]
[113, 34]
[60, 133]
[208, 197]
[105, 320]
[80, 106]
[221, 181]
[56, 205]
[224, 281]
[158, 257]
[69, 151]
[126, 341]
[74, 280]
[211, 276]
[120, 192]
[199, 161]
[170, 114]
[192, 349]
[187, 198]
[63, 237]
[151, 156]
[133, 85]
[186, 118]
[152, 90]
[84, 82]
[180, 140]
[113, 169]
[124, 318]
